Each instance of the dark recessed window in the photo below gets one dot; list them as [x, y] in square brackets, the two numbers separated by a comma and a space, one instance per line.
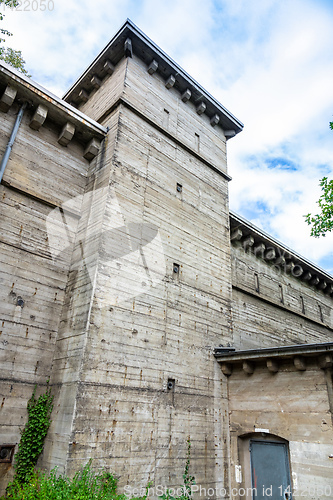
[171, 384]
[197, 142]
[256, 282]
[179, 188]
[302, 305]
[166, 116]
[176, 268]
[6, 453]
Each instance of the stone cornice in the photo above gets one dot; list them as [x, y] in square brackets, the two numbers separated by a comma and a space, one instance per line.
[130, 40]
[274, 356]
[42, 104]
[245, 235]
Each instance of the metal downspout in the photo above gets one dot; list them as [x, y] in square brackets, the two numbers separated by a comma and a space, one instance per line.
[11, 141]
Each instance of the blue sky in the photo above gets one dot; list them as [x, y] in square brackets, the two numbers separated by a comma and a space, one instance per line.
[270, 62]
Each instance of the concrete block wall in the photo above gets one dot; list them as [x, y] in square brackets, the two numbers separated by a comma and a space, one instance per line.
[286, 310]
[40, 176]
[148, 324]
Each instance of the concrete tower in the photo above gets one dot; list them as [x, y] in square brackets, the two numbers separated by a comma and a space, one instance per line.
[149, 290]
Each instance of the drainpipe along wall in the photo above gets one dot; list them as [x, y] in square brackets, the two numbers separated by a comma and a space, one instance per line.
[11, 141]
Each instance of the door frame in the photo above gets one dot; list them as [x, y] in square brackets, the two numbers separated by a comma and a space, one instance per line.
[244, 459]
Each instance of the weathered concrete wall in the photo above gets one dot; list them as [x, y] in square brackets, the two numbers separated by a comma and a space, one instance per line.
[101, 100]
[76, 313]
[40, 176]
[148, 94]
[293, 405]
[282, 310]
[148, 324]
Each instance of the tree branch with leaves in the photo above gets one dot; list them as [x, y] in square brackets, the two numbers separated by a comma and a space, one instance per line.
[322, 223]
[7, 54]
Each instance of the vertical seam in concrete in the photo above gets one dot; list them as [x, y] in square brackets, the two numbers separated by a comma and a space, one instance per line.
[86, 332]
[92, 297]
[329, 384]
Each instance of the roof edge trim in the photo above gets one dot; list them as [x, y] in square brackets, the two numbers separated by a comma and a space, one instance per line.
[50, 98]
[129, 25]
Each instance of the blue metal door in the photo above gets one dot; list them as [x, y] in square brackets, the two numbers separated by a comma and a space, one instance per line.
[270, 470]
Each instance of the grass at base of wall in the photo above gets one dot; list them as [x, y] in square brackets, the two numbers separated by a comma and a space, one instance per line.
[86, 485]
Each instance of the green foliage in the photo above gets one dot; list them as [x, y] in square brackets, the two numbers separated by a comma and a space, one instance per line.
[323, 222]
[14, 58]
[9, 55]
[86, 485]
[189, 480]
[33, 435]
[9, 4]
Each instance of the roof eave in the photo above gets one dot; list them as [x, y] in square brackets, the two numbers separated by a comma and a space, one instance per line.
[34, 93]
[238, 221]
[227, 355]
[147, 50]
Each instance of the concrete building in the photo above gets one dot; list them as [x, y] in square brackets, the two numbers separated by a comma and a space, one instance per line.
[156, 313]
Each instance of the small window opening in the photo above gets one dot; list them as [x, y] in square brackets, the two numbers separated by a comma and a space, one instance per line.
[302, 304]
[166, 116]
[179, 188]
[197, 141]
[256, 282]
[171, 384]
[7, 453]
[321, 313]
[281, 294]
[176, 268]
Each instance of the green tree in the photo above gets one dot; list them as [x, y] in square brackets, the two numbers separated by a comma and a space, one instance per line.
[323, 222]
[7, 54]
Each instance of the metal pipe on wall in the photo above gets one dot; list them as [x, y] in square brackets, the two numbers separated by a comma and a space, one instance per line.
[11, 141]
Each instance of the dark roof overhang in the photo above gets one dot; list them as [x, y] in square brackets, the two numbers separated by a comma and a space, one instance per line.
[228, 357]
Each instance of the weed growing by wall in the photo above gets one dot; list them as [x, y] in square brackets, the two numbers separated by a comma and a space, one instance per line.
[189, 481]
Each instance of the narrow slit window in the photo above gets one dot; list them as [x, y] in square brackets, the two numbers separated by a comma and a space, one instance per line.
[197, 142]
[321, 313]
[166, 116]
[256, 282]
[302, 305]
[281, 294]
[171, 384]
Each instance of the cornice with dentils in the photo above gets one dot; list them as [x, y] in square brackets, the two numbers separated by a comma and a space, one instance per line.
[42, 104]
[131, 40]
[250, 238]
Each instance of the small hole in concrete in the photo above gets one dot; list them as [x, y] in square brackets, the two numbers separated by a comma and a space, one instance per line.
[171, 384]
[20, 302]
